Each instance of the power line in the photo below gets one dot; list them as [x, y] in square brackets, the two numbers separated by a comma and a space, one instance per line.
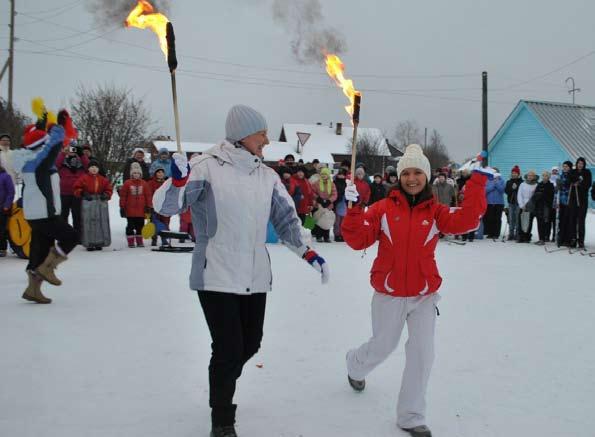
[542, 76]
[45, 11]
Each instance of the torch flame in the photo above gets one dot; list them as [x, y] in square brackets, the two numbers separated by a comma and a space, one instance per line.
[143, 16]
[335, 69]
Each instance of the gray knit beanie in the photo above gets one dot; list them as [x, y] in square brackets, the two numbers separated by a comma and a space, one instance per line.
[243, 121]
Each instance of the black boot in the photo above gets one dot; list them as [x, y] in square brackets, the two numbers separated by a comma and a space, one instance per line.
[419, 431]
[356, 385]
[224, 431]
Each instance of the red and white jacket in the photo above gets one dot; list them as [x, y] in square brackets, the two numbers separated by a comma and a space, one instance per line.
[405, 264]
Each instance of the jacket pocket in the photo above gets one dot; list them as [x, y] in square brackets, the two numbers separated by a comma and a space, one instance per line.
[430, 273]
[380, 274]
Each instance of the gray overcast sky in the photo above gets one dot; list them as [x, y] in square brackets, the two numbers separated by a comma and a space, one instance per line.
[515, 41]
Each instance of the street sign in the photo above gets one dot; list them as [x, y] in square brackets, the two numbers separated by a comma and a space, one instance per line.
[303, 137]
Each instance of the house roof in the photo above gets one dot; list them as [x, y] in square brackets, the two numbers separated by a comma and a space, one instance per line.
[324, 140]
[573, 126]
[187, 146]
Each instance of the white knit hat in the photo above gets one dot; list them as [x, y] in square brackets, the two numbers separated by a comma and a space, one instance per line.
[243, 121]
[414, 158]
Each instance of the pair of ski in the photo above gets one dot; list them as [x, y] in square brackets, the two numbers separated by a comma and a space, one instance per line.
[570, 250]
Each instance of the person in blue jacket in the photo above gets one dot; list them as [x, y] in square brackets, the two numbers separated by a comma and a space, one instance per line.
[163, 162]
[492, 222]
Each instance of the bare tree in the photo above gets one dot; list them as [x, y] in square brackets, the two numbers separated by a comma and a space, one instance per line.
[436, 151]
[113, 121]
[407, 132]
[370, 152]
[12, 122]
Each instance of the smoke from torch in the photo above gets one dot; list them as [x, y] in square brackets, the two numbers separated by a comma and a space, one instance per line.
[143, 16]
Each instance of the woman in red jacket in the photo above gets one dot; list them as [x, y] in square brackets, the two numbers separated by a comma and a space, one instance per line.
[135, 202]
[404, 275]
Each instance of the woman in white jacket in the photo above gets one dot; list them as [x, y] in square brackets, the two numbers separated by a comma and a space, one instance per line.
[232, 196]
[525, 193]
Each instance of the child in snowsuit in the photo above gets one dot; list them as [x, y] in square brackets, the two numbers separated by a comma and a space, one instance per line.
[6, 199]
[90, 186]
[161, 221]
[52, 238]
[377, 189]
[405, 277]
[135, 202]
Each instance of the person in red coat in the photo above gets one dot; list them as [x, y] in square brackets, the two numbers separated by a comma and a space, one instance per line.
[304, 207]
[71, 163]
[363, 186]
[90, 186]
[404, 275]
[135, 202]
[160, 220]
[92, 183]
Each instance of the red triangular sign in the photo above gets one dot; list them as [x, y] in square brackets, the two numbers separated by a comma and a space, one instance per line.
[303, 137]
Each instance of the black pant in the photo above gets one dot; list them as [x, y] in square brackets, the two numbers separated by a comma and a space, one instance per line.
[492, 222]
[318, 232]
[543, 227]
[565, 234]
[235, 323]
[553, 226]
[581, 217]
[134, 224]
[72, 204]
[3, 231]
[44, 233]
[302, 218]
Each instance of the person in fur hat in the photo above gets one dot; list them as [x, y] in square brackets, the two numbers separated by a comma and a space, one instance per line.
[135, 203]
[404, 275]
[137, 158]
[52, 238]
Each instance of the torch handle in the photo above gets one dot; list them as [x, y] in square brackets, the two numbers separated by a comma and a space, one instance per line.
[353, 155]
[174, 91]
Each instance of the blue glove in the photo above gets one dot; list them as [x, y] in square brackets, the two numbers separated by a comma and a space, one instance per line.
[318, 263]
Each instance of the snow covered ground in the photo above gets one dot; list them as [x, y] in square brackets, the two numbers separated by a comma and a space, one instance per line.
[123, 350]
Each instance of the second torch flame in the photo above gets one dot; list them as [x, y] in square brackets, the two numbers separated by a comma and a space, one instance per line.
[335, 69]
[143, 16]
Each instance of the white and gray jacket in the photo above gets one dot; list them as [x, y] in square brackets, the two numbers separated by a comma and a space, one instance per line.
[232, 196]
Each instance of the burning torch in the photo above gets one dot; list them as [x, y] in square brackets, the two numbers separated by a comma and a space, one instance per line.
[335, 69]
[143, 16]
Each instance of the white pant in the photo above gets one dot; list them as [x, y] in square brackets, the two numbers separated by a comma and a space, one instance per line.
[389, 315]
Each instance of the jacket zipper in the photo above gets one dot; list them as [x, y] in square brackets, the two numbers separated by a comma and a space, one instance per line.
[408, 238]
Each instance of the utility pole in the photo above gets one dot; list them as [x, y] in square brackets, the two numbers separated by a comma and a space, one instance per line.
[573, 90]
[11, 56]
[426, 137]
[484, 118]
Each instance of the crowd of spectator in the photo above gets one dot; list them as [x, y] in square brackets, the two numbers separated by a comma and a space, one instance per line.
[557, 201]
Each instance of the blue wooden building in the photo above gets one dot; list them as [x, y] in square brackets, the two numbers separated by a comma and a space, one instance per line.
[540, 135]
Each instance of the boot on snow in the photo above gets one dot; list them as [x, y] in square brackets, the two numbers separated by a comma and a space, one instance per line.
[47, 270]
[130, 241]
[33, 291]
[419, 431]
[224, 431]
[139, 241]
[356, 385]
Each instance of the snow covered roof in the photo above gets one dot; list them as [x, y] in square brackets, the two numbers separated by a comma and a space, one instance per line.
[187, 146]
[324, 141]
[277, 150]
